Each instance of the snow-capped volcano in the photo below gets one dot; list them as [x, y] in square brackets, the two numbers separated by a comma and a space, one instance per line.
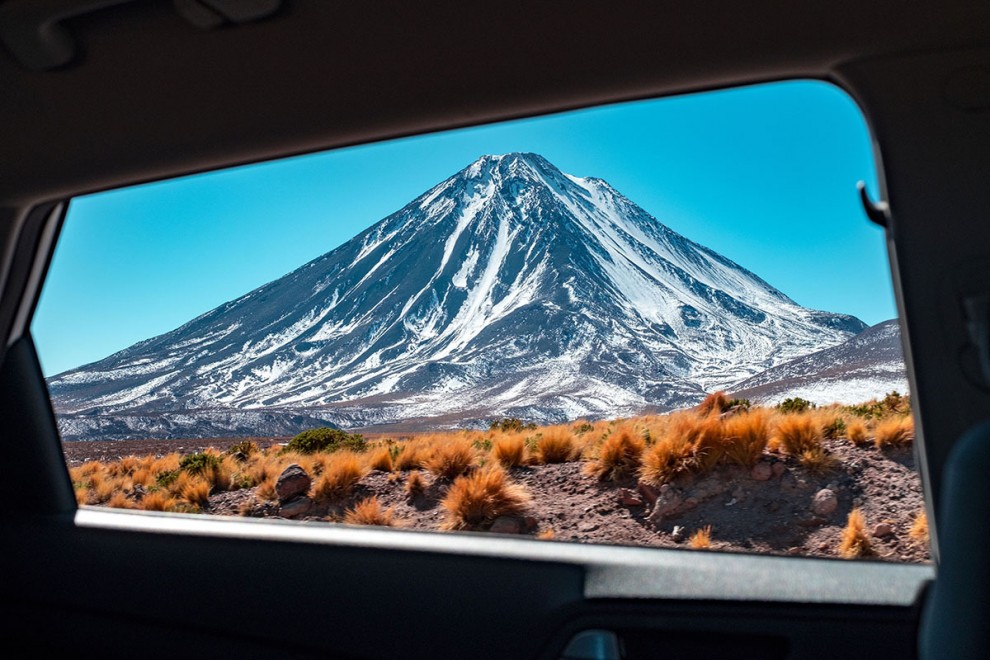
[510, 288]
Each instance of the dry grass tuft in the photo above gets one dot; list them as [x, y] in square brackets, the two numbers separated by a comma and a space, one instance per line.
[120, 501]
[857, 433]
[701, 539]
[157, 501]
[102, 488]
[451, 459]
[509, 450]
[672, 454]
[410, 456]
[919, 528]
[714, 403]
[196, 492]
[555, 445]
[618, 457]
[894, 432]
[546, 535]
[817, 461]
[710, 443]
[370, 512]
[380, 459]
[745, 437]
[415, 484]
[855, 539]
[342, 472]
[143, 476]
[479, 498]
[797, 433]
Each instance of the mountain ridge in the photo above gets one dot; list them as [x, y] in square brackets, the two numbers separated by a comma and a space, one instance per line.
[510, 284]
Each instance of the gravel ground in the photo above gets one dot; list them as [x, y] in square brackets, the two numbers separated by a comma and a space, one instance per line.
[771, 509]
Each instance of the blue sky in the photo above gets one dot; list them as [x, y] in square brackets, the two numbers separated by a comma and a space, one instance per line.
[765, 175]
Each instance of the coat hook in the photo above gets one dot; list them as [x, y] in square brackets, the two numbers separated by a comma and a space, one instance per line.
[877, 212]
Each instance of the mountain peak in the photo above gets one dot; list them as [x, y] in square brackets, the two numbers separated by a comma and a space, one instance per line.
[509, 289]
[514, 164]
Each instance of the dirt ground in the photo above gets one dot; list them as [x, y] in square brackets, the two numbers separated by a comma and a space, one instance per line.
[768, 510]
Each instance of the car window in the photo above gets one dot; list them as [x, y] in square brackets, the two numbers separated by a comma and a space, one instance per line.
[660, 323]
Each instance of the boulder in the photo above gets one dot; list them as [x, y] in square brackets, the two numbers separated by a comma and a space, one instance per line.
[506, 525]
[297, 506]
[824, 503]
[667, 504]
[762, 471]
[293, 482]
[883, 529]
[649, 493]
[628, 497]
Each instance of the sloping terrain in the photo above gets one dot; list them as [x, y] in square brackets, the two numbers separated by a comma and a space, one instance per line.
[511, 288]
[870, 363]
[781, 504]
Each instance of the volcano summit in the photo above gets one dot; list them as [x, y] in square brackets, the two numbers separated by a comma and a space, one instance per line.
[509, 289]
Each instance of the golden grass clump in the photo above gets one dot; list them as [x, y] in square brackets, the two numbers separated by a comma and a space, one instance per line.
[714, 403]
[710, 443]
[855, 539]
[143, 476]
[179, 483]
[166, 463]
[380, 459]
[546, 535]
[266, 489]
[415, 484]
[342, 472]
[87, 469]
[451, 459]
[745, 437]
[702, 538]
[196, 492]
[667, 459]
[817, 460]
[220, 477]
[795, 433]
[120, 501]
[509, 449]
[370, 512]
[123, 466]
[411, 456]
[894, 432]
[479, 498]
[157, 501]
[102, 488]
[619, 455]
[555, 445]
[919, 528]
[857, 433]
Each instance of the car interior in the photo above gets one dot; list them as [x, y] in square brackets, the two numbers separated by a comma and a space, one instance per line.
[101, 94]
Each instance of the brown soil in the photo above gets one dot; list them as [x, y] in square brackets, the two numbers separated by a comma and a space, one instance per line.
[772, 516]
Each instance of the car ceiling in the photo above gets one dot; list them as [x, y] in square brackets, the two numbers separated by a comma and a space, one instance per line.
[148, 95]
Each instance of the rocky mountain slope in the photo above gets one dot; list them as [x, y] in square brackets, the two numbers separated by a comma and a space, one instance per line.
[510, 288]
[866, 366]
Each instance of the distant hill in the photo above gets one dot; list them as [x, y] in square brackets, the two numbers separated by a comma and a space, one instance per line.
[864, 367]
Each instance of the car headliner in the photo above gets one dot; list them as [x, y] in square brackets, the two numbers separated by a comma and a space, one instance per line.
[149, 96]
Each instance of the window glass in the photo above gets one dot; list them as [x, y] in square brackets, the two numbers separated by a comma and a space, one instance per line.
[662, 323]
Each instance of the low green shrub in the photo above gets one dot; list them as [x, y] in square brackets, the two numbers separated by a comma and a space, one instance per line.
[795, 405]
[326, 440]
[199, 463]
[511, 424]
